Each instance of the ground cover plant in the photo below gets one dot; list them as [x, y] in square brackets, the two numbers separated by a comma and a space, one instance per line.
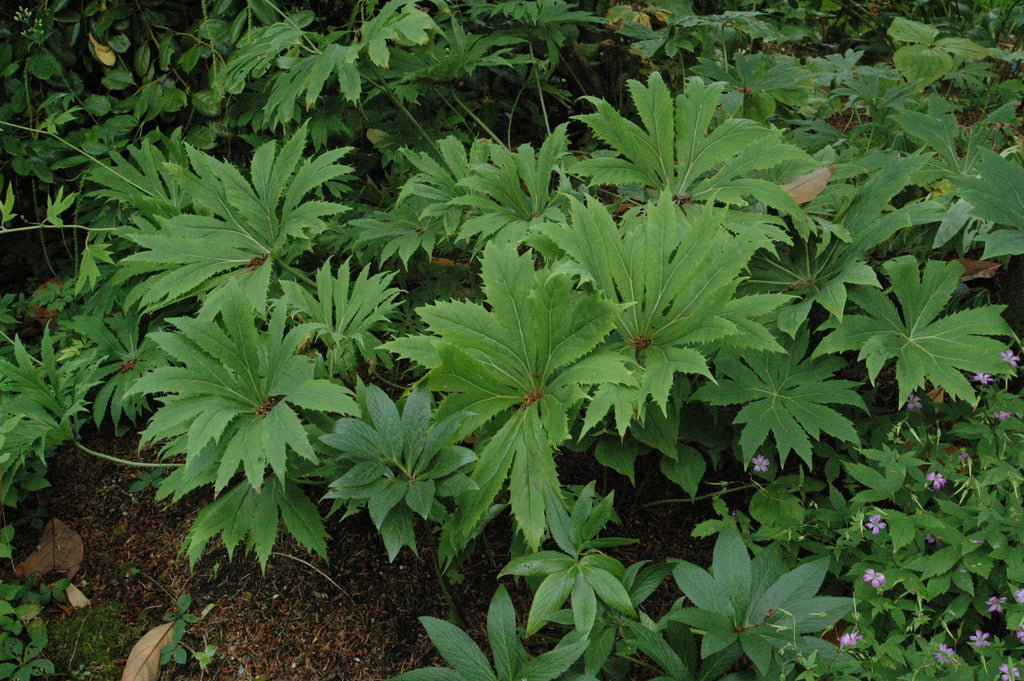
[478, 286]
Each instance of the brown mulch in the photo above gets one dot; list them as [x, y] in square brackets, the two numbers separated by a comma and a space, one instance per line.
[352, 618]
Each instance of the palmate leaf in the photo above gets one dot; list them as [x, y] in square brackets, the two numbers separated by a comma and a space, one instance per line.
[926, 347]
[676, 277]
[996, 195]
[343, 312]
[127, 355]
[240, 228]
[513, 192]
[822, 267]
[233, 405]
[427, 211]
[245, 514]
[674, 152]
[527, 355]
[399, 464]
[784, 395]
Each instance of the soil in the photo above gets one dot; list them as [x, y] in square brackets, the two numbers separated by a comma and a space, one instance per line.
[352, 618]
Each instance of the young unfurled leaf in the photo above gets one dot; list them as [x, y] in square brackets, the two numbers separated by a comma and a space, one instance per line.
[529, 352]
[925, 346]
[143, 662]
[755, 605]
[401, 466]
[785, 395]
[822, 267]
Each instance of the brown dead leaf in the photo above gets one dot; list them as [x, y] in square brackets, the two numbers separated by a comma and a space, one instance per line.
[375, 135]
[143, 662]
[937, 395]
[60, 549]
[978, 269]
[76, 598]
[807, 186]
[102, 52]
[443, 262]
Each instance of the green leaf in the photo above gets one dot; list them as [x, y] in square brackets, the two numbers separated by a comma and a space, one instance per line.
[526, 351]
[731, 565]
[508, 651]
[926, 347]
[995, 195]
[674, 276]
[703, 590]
[675, 153]
[786, 396]
[922, 63]
[238, 228]
[610, 590]
[458, 649]
[550, 596]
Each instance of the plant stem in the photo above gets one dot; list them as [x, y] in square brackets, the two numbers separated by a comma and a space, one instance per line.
[298, 274]
[454, 610]
[124, 462]
[710, 495]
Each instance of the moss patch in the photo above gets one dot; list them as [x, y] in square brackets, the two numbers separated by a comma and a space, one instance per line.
[92, 642]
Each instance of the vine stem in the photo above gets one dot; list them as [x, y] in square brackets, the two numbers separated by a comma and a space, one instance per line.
[710, 495]
[124, 462]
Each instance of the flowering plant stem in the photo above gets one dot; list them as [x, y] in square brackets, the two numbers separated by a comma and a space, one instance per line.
[709, 495]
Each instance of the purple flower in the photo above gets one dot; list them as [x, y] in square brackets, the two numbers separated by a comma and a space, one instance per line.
[1008, 356]
[850, 638]
[760, 464]
[937, 480]
[963, 456]
[945, 653]
[913, 402]
[1002, 415]
[1020, 634]
[979, 638]
[875, 524]
[929, 539]
[1008, 673]
[877, 579]
[995, 604]
[984, 379]
[1018, 595]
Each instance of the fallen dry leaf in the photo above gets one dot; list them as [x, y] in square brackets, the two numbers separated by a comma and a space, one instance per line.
[978, 269]
[807, 186]
[375, 135]
[102, 52]
[76, 598]
[937, 395]
[443, 262]
[60, 549]
[143, 662]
